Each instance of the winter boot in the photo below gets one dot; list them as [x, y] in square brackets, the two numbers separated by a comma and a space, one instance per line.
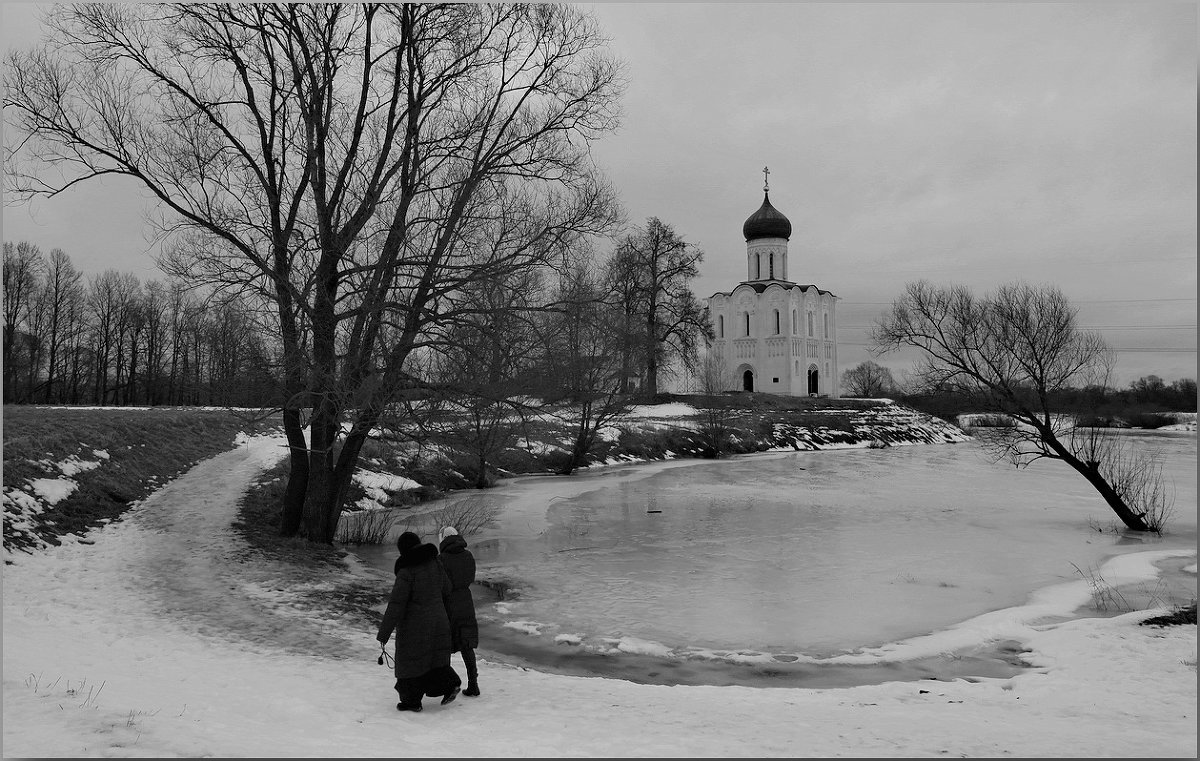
[414, 707]
[472, 676]
[451, 695]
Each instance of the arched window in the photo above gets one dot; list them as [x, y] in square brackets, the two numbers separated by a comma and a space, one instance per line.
[771, 265]
[810, 324]
[720, 326]
[795, 323]
[776, 322]
[826, 317]
[747, 314]
[758, 266]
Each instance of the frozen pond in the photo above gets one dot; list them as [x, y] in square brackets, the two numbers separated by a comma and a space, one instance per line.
[807, 553]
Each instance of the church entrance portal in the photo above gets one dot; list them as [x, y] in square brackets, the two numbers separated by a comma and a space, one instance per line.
[748, 380]
[812, 380]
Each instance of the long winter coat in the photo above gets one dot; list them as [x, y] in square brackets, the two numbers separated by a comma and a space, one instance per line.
[460, 567]
[416, 611]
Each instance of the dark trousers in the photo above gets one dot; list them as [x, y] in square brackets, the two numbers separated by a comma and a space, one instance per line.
[468, 656]
[433, 683]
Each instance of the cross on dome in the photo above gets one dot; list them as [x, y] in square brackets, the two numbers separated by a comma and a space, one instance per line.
[766, 183]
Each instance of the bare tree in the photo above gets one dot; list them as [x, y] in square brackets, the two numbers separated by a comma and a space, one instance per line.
[1009, 352]
[105, 299]
[582, 360]
[337, 161]
[623, 284]
[868, 380]
[61, 294]
[155, 303]
[652, 269]
[483, 376]
[23, 267]
[35, 337]
[126, 323]
[716, 417]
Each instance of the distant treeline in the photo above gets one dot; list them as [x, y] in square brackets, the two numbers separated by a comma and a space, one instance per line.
[1146, 396]
[113, 340]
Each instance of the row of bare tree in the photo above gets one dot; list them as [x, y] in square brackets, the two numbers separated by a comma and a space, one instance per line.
[113, 340]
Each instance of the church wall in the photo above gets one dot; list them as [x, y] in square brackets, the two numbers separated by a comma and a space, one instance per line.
[786, 355]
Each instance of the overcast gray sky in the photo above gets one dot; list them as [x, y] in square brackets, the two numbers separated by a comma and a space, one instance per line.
[965, 143]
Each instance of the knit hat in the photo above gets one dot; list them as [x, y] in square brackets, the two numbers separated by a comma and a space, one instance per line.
[407, 541]
[447, 531]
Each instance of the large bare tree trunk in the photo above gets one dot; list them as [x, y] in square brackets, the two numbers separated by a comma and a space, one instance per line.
[292, 510]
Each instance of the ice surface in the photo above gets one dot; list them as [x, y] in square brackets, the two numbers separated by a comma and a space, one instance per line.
[810, 553]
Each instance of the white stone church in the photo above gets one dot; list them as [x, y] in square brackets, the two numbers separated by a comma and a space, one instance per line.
[773, 334]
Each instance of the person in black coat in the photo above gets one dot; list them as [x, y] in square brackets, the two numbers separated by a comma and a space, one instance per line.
[416, 612]
[464, 631]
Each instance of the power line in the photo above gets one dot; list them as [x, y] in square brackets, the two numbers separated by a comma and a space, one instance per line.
[1153, 351]
[1085, 327]
[1127, 301]
[1139, 349]
[975, 266]
[1093, 301]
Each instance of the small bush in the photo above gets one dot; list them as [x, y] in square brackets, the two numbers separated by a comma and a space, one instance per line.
[1148, 420]
[517, 460]
[1104, 596]
[374, 449]
[991, 421]
[645, 444]
[441, 472]
[468, 515]
[365, 527]
[556, 460]
[1096, 421]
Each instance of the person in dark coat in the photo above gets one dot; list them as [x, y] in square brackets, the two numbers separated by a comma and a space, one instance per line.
[416, 612]
[464, 631]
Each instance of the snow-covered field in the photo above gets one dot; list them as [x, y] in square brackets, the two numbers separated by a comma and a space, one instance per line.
[160, 636]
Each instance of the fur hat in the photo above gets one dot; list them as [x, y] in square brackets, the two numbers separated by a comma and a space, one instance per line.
[407, 541]
[447, 531]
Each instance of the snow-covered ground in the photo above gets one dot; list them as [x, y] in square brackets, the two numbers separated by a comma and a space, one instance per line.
[162, 635]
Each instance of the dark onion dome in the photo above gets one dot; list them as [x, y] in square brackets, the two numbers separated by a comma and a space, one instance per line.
[767, 222]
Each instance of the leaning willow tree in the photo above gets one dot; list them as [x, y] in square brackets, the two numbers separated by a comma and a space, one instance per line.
[1009, 352]
[356, 166]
